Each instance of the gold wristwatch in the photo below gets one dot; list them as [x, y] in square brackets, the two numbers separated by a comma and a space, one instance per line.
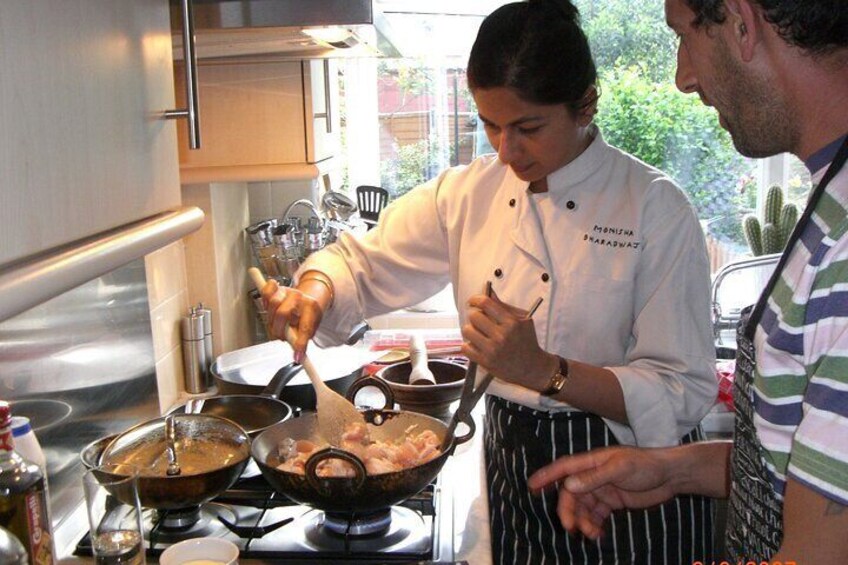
[559, 378]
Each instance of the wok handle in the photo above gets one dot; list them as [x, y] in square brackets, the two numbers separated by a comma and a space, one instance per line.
[333, 453]
[367, 381]
[468, 420]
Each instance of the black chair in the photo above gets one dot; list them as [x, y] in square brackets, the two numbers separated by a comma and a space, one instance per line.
[371, 201]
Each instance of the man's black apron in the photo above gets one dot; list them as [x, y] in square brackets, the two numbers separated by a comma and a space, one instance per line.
[525, 528]
[754, 512]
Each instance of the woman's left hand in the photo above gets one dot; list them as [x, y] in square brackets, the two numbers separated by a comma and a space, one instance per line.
[502, 339]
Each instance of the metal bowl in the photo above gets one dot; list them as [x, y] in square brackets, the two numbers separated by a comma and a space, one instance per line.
[337, 206]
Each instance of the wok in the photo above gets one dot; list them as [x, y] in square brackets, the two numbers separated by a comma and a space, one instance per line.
[363, 493]
[299, 392]
[212, 453]
[254, 413]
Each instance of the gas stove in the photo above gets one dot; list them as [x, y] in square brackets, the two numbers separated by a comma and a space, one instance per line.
[266, 525]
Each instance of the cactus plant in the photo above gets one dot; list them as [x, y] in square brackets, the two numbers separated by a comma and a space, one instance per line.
[770, 234]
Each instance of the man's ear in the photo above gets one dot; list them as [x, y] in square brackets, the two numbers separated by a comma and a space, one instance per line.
[744, 21]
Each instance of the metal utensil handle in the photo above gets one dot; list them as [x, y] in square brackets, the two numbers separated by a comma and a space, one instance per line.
[192, 110]
[171, 447]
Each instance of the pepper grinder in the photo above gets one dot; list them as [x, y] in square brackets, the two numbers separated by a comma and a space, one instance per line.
[194, 352]
[206, 314]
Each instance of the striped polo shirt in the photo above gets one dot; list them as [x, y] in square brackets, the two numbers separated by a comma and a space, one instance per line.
[801, 379]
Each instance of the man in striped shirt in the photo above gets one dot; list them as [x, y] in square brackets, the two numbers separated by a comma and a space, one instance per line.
[777, 73]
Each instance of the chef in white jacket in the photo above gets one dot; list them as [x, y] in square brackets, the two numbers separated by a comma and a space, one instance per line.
[621, 350]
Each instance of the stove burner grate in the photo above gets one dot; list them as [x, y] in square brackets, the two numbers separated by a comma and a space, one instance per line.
[164, 527]
[356, 525]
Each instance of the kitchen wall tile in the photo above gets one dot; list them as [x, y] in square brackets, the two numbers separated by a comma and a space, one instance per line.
[217, 257]
[166, 275]
[284, 193]
[167, 288]
[259, 200]
[165, 320]
[169, 378]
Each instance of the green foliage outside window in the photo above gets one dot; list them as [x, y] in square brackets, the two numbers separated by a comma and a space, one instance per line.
[411, 167]
[678, 135]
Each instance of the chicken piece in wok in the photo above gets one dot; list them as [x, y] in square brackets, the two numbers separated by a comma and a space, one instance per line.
[413, 449]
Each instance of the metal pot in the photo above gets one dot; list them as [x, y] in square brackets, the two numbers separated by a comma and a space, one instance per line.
[212, 452]
[297, 392]
[363, 493]
[254, 413]
[90, 454]
[435, 399]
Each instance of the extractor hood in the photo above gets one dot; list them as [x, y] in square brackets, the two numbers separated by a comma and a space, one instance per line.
[286, 29]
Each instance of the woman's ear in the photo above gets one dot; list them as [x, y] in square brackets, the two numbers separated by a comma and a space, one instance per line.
[588, 106]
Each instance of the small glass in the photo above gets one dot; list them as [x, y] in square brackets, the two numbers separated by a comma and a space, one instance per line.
[114, 515]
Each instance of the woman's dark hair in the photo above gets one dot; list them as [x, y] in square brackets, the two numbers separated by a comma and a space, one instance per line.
[818, 26]
[536, 48]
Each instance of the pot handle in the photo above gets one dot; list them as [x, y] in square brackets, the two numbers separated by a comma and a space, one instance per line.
[459, 440]
[333, 453]
[280, 379]
[366, 381]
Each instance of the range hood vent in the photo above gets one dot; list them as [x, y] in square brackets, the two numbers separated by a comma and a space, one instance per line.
[286, 29]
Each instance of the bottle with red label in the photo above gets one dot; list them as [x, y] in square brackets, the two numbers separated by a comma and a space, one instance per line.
[23, 497]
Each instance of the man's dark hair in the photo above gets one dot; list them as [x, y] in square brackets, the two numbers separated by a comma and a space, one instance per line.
[818, 26]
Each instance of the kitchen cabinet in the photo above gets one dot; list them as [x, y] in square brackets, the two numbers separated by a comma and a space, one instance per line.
[321, 104]
[84, 147]
[263, 113]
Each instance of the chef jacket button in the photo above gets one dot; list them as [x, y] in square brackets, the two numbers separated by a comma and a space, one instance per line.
[571, 205]
[545, 277]
[498, 273]
[512, 202]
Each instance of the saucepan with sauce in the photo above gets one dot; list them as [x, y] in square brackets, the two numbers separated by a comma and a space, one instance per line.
[211, 451]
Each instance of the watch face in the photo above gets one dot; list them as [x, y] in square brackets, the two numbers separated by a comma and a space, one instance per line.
[556, 384]
[558, 381]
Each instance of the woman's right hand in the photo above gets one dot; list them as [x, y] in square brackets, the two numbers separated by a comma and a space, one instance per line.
[293, 307]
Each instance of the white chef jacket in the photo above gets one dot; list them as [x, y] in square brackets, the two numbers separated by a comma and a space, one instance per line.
[614, 248]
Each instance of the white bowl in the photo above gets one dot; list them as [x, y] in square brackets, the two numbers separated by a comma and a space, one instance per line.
[201, 551]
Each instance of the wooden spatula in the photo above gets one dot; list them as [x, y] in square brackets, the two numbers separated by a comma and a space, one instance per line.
[333, 410]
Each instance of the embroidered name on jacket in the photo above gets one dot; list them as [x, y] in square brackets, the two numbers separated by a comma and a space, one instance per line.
[612, 237]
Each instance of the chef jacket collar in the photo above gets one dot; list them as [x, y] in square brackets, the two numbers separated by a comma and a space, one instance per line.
[581, 168]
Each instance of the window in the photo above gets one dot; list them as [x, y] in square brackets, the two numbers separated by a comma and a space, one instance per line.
[426, 119]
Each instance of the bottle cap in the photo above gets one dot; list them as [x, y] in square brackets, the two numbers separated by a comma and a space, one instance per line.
[20, 426]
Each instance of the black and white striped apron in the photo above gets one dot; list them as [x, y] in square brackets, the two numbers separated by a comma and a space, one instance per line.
[525, 527]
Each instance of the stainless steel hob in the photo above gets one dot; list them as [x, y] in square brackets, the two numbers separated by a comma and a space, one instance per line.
[267, 526]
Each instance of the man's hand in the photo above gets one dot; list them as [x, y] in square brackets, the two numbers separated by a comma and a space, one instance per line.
[593, 484]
